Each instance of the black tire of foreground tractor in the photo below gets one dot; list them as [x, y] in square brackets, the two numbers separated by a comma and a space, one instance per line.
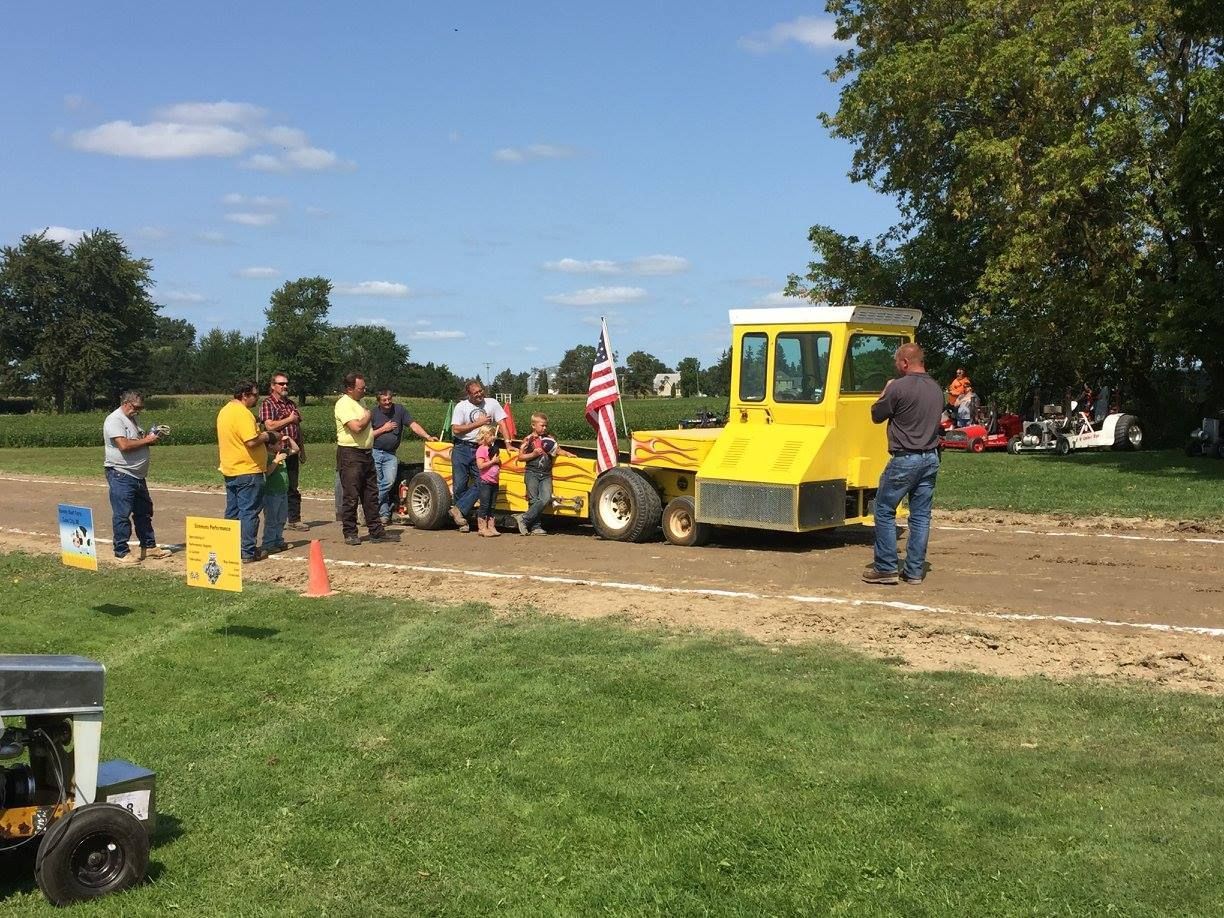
[1128, 434]
[1013, 446]
[680, 526]
[1219, 450]
[625, 507]
[429, 500]
[93, 851]
[1062, 446]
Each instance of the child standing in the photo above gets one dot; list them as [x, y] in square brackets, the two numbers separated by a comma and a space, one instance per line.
[538, 451]
[488, 464]
[276, 495]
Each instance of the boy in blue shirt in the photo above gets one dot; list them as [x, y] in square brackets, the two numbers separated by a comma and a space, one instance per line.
[539, 451]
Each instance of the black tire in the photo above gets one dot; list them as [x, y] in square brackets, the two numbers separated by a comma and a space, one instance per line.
[1013, 445]
[1194, 448]
[429, 500]
[1128, 434]
[625, 507]
[680, 526]
[1219, 450]
[1062, 446]
[93, 851]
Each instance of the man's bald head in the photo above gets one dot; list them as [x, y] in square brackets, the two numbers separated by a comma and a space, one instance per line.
[910, 358]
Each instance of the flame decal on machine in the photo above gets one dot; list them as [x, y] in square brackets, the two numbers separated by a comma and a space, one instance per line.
[662, 449]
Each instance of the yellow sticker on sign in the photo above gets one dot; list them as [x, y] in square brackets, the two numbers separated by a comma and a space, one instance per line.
[214, 557]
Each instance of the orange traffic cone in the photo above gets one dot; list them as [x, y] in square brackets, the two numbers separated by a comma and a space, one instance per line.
[320, 584]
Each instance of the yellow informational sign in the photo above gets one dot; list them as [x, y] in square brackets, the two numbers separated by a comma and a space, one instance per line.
[77, 548]
[214, 557]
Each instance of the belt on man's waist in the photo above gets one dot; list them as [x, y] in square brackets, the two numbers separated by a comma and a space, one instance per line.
[911, 452]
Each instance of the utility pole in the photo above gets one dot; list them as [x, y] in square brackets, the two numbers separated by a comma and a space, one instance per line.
[488, 370]
[258, 338]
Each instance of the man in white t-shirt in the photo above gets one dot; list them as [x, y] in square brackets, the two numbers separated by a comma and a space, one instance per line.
[468, 417]
[126, 461]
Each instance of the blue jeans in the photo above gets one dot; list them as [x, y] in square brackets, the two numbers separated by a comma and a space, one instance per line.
[275, 514]
[130, 500]
[539, 496]
[488, 499]
[243, 501]
[909, 475]
[465, 479]
[386, 466]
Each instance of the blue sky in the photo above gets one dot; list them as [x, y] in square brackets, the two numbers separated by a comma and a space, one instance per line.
[485, 179]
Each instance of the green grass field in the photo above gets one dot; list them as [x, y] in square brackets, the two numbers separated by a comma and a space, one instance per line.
[364, 756]
[1162, 484]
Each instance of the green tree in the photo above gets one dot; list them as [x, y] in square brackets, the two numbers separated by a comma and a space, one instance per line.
[640, 371]
[690, 376]
[430, 381]
[223, 358]
[298, 339]
[74, 323]
[716, 378]
[542, 383]
[509, 381]
[574, 371]
[372, 350]
[172, 357]
[1050, 161]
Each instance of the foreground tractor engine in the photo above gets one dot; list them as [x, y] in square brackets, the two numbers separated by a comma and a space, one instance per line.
[92, 822]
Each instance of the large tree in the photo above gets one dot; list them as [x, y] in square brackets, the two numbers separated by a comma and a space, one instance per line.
[429, 380]
[372, 350]
[224, 358]
[74, 322]
[574, 371]
[716, 378]
[1057, 165]
[172, 357]
[690, 376]
[298, 339]
[640, 371]
[507, 381]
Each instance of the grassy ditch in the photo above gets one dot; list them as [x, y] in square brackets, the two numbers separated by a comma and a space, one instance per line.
[369, 756]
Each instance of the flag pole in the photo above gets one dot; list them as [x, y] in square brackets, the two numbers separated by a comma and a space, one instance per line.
[621, 400]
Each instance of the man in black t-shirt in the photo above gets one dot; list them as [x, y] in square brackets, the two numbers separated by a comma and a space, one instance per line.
[389, 420]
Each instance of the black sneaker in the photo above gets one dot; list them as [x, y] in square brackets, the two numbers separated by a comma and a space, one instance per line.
[376, 539]
[353, 540]
[871, 575]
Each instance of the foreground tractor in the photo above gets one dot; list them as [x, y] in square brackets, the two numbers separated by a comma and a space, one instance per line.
[92, 822]
[798, 452]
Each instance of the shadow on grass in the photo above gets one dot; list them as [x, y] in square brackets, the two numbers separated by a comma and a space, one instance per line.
[246, 631]
[17, 870]
[1163, 463]
[112, 610]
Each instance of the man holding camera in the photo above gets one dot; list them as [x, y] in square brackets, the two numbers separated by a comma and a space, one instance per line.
[127, 463]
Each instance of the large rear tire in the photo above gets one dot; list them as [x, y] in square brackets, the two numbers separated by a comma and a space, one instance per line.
[1062, 446]
[625, 507]
[680, 526]
[1013, 445]
[1128, 434]
[429, 500]
[93, 851]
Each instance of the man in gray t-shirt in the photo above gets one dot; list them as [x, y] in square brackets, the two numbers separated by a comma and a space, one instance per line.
[126, 462]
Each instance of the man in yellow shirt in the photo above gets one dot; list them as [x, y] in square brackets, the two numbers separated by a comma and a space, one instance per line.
[355, 462]
[243, 449]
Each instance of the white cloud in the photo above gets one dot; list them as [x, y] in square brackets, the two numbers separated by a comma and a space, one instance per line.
[181, 296]
[212, 237]
[212, 112]
[61, 234]
[454, 137]
[258, 272]
[218, 129]
[153, 233]
[373, 288]
[437, 335]
[599, 296]
[251, 219]
[533, 151]
[317, 212]
[530, 348]
[233, 199]
[810, 31]
[649, 265]
[74, 102]
[777, 298]
[656, 265]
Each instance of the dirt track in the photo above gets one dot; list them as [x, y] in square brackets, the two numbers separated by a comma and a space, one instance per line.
[1008, 595]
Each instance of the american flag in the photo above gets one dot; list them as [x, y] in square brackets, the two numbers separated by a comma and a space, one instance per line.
[602, 394]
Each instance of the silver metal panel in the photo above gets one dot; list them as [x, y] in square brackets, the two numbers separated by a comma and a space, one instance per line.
[37, 684]
[737, 504]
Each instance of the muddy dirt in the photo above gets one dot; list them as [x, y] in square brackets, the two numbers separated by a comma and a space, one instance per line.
[1008, 594]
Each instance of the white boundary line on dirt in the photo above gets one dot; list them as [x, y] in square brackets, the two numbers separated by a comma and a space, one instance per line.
[219, 492]
[734, 594]
[945, 528]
